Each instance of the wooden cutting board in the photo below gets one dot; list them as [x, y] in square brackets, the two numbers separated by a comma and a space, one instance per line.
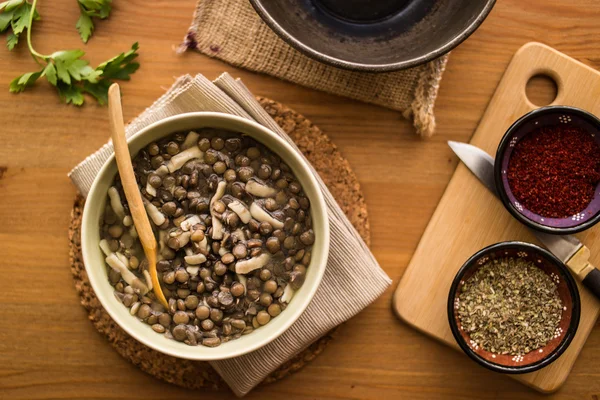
[469, 217]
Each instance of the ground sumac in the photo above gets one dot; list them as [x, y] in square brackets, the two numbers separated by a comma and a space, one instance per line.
[554, 171]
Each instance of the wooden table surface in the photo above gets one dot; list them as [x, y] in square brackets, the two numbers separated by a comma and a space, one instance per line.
[48, 349]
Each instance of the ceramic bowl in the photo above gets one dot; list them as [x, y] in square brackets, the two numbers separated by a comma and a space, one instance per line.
[567, 290]
[545, 117]
[377, 36]
[97, 271]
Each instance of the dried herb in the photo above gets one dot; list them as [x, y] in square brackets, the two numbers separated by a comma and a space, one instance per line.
[510, 306]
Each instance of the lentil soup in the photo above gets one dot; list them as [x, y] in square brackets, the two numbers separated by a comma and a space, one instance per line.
[234, 232]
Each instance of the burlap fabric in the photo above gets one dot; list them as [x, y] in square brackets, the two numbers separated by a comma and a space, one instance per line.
[230, 30]
[351, 273]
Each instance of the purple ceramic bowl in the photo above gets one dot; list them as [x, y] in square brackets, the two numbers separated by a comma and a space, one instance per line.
[544, 117]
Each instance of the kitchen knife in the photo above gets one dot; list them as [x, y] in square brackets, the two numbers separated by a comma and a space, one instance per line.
[565, 247]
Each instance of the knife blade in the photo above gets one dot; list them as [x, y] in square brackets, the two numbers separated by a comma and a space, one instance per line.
[567, 248]
[481, 164]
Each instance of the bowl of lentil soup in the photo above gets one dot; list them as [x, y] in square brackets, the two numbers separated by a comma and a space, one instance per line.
[513, 307]
[241, 252]
[547, 169]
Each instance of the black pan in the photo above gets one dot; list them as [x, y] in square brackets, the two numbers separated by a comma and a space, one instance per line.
[373, 35]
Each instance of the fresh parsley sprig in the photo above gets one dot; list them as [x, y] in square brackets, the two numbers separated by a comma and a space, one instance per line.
[91, 9]
[72, 76]
[18, 16]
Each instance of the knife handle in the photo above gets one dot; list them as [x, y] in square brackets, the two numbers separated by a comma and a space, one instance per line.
[592, 282]
[585, 271]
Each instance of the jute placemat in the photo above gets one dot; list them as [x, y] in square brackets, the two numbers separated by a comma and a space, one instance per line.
[230, 30]
[343, 184]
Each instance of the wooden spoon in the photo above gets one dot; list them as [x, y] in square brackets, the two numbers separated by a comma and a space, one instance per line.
[132, 192]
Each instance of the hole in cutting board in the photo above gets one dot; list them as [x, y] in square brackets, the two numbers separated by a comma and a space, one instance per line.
[541, 90]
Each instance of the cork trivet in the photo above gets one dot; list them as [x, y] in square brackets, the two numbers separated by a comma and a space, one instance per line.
[343, 184]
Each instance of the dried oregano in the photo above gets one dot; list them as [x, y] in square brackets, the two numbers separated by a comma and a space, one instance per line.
[509, 306]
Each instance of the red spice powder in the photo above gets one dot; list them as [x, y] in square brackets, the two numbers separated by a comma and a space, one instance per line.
[554, 171]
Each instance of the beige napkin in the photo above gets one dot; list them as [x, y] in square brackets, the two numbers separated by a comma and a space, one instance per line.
[230, 30]
[352, 279]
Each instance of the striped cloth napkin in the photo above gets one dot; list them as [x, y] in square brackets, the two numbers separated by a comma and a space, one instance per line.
[352, 272]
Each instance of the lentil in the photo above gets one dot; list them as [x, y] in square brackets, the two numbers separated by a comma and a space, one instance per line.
[179, 332]
[263, 317]
[274, 310]
[202, 312]
[206, 246]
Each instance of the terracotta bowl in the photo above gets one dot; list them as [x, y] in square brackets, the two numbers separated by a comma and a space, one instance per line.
[544, 117]
[567, 290]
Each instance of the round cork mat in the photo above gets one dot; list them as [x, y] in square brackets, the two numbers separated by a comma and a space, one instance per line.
[341, 181]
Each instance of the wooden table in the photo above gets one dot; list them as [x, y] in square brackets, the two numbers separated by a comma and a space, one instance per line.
[48, 349]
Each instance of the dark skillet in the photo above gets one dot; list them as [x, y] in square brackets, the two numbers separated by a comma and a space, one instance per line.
[374, 35]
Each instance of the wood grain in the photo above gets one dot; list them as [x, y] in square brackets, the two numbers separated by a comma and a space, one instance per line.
[130, 187]
[470, 213]
[48, 349]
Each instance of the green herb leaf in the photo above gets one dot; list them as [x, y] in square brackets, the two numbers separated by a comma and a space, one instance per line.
[96, 8]
[70, 94]
[50, 74]
[88, 9]
[64, 62]
[70, 66]
[85, 27]
[67, 70]
[5, 19]
[10, 5]
[11, 41]
[20, 83]
[15, 14]
[73, 76]
[20, 19]
[98, 90]
[121, 66]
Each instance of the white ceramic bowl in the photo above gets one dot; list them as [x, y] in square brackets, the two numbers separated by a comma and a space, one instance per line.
[94, 258]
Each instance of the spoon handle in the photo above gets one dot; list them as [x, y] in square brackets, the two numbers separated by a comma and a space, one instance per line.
[132, 192]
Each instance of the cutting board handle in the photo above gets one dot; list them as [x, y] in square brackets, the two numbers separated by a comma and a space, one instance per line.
[541, 59]
[468, 219]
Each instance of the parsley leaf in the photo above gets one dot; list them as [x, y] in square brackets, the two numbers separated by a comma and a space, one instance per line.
[5, 18]
[98, 90]
[50, 74]
[120, 67]
[15, 14]
[88, 9]
[20, 83]
[10, 5]
[67, 70]
[70, 66]
[11, 41]
[72, 76]
[70, 94]
[85, 27]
